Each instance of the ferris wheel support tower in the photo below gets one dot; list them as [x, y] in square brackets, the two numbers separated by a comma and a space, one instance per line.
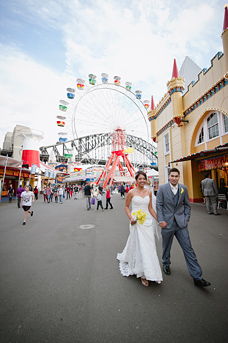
[118, 147]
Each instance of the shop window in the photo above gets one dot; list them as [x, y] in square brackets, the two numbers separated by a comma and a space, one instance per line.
[212, 125]
[166, 144]
[225, 122]
[201, 136]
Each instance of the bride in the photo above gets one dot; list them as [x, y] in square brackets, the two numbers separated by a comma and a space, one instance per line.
[139, 256]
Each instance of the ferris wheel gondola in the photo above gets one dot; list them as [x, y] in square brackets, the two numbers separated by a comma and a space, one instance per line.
[104, 107]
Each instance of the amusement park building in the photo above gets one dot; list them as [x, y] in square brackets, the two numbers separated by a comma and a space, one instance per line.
[191, 128]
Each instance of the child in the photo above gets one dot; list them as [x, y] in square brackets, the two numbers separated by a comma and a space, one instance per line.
[99, 200]
[27, 197]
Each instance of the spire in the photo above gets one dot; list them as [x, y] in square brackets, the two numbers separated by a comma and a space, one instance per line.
[175, 70]
[152, 103]
[225, 24]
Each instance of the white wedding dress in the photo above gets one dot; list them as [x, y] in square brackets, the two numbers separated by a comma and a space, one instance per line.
[139, 256]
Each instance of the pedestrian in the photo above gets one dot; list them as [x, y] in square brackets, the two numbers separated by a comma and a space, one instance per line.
[108, 199]
[55, 193]
[99, 201]
[223, 189]
[68, 192]
[10, 192]
[27, 197]
[60, 192]
[173, 212]
[19, 191]
[44, 193]
[139, 256]
[71, 191]
[36, 192]
[122, 191]
[210, 193]
[52, 194]
[87, 193]
[76, 192]
[100, 188]
[48, 193]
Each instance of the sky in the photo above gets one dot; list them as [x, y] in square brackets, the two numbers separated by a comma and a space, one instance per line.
[46, 45]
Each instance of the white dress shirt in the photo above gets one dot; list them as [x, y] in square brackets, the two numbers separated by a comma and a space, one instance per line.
[174, 188]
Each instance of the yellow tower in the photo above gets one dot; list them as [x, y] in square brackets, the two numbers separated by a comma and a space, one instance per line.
[175, 88]
[152, 118]
[225, 38]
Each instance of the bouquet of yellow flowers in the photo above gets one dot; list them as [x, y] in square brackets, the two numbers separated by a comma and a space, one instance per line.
[140, 216]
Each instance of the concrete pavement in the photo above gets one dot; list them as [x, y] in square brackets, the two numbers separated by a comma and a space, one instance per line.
[61, 283]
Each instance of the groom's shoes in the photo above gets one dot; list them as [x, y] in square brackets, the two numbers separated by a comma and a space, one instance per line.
[167, 270]
[201, 283]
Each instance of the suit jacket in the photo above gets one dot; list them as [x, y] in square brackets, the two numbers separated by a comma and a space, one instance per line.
[166, 210]
[209, 187]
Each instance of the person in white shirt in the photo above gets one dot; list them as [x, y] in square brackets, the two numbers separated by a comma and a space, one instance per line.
[99, 201]
[27, 197]
[61, 192]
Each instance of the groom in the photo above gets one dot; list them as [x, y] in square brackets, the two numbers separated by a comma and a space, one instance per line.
[173, 212]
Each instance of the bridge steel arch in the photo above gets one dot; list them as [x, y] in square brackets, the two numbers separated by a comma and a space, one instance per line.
[84, 145]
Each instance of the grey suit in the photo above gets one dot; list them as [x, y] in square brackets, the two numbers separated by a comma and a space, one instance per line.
[210, 192]
[175, 210]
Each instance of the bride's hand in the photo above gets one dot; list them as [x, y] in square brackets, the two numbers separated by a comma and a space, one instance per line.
[133, 221]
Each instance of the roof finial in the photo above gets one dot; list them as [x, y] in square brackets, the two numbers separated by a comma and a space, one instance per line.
[175, 70]
[152, 103]
[225, 24]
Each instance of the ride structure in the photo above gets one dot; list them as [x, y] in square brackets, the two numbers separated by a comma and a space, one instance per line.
[104, 118]
[118, 148]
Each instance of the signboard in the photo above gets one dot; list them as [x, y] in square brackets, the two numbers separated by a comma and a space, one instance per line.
[60, 178]
[213, 163]
[62, 168]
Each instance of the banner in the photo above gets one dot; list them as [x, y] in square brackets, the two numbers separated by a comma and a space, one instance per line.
[33, 169]
[213, 163]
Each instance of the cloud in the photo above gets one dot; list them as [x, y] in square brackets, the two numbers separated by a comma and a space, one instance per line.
[137, 42]
[29, 93]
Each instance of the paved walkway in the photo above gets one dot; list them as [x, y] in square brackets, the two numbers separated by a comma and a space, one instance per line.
[61, 283]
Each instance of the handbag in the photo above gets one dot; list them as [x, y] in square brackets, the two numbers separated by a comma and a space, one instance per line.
[93, 201]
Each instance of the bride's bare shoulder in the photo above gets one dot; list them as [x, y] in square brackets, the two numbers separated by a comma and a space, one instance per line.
[131, 192]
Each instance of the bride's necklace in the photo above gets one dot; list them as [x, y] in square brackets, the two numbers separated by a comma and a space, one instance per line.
[142, 190]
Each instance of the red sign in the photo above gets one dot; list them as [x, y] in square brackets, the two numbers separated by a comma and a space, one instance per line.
[213, 163]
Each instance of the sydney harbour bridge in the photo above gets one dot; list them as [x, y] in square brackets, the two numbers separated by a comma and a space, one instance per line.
[96, 148]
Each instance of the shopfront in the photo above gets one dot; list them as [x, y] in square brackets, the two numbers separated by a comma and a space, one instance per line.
[214, 162]
[13, 176]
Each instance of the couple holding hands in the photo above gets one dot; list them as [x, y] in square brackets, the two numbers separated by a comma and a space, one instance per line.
[139, 256]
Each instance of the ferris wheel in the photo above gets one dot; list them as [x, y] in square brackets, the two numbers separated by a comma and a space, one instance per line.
[102, 108]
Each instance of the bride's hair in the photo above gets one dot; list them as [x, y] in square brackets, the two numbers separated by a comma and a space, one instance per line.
[140, 172]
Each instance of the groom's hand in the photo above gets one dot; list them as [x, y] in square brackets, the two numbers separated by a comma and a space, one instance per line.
[163, 225]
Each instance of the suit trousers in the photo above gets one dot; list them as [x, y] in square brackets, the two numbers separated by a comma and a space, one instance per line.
[211, 200]
[183, 238]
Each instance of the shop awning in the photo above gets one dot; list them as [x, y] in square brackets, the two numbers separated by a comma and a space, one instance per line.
[152, 172]
[44, 166]
[204, 153]
[74, 179]
[123, 179]
[11, 162]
